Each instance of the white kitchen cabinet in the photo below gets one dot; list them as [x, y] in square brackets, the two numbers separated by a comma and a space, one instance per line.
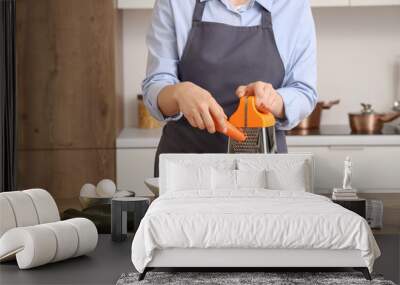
[376, 160]
[149, 4]
[135, 4]
[375, 168]
[134, 165]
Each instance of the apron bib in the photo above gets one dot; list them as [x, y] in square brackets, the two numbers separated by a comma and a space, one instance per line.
[220, 58]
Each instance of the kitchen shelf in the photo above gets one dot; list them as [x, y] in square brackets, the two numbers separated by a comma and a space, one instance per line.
[149, 4]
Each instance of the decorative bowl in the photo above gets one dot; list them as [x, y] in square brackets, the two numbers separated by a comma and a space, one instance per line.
[87, 202]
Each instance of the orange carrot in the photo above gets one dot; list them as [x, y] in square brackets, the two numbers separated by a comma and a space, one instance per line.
[231, 131]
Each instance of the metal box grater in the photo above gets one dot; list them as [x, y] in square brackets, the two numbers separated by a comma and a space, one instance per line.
[258, 127]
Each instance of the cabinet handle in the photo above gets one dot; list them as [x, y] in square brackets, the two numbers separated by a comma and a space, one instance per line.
[358, 148]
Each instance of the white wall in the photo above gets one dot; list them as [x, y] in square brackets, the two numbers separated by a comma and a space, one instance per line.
[358, 48]
[135, 24]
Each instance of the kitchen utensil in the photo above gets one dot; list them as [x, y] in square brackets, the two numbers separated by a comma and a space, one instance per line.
[313, 121]
[369, 122]
[259, 129]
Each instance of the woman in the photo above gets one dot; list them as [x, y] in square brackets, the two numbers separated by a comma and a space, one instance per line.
[205, 54]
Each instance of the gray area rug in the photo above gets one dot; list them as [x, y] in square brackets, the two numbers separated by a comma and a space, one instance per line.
[268, 278]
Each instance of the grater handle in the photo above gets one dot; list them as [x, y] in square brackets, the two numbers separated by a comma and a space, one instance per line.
[247, 115]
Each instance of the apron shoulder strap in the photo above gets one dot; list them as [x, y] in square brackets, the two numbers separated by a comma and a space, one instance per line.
[266, 19]
[198, 11]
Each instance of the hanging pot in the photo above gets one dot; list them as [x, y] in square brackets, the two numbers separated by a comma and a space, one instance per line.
[369, 122]
[313, 121]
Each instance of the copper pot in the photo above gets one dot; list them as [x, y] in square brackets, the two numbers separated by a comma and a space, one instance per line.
[313, 121]
[369, 122]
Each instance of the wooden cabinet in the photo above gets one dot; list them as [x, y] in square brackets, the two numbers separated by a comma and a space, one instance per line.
[69, 104]
[66, 74]
[63, 172]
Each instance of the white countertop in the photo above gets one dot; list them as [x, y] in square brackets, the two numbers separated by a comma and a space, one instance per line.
[139, 138]
[149, 138]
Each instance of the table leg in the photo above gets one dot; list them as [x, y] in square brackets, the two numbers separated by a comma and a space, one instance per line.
[116, 221]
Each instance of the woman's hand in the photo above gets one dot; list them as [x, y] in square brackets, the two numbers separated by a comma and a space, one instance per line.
[199, 107]
[267, 99]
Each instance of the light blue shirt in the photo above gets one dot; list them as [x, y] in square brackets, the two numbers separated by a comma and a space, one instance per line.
[294, 32]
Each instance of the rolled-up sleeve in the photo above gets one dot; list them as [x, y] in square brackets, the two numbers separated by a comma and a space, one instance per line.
[162, 58]
[299, 87]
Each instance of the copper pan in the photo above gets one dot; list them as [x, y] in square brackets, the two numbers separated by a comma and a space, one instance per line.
[369, 122]
[313, 121]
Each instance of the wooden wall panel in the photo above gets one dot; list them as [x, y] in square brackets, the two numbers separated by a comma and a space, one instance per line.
[63, 172]
[68, 93]
[119, 83]
[66, 74]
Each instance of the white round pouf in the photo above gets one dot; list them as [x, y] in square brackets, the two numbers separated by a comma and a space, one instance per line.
[106, 188]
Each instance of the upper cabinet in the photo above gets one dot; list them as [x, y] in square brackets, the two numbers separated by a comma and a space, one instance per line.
[356, 3]
[148, 4]
[135, 4]
[330, 3]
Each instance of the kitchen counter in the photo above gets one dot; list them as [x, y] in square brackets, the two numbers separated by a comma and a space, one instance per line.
[341, 130]
[336, 135]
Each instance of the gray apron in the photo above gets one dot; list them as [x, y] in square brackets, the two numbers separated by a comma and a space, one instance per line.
[220, 58]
